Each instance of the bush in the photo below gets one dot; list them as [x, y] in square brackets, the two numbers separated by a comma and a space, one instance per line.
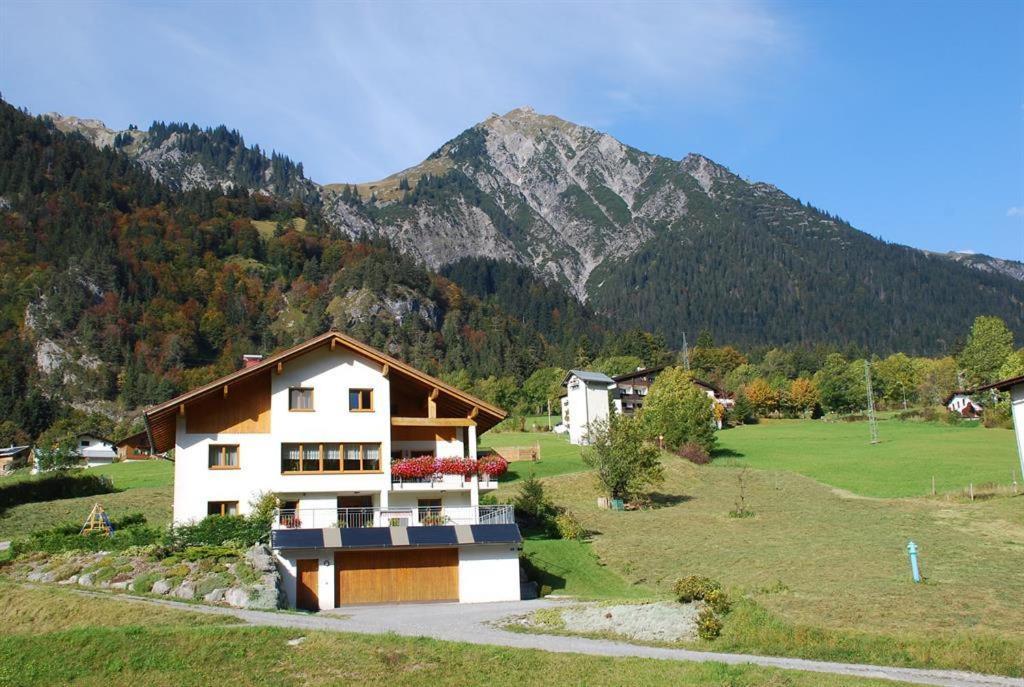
[62, 485]
[695, 588]
[997, 417]
[709, 625]
[694, 453]
[211, 582]
[198, 553]
[718, 601]
[531, 504]
[129, 532]
[215, 530]
[569, 527]
[144, 582]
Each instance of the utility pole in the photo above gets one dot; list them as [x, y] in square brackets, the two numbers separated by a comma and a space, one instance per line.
[871, 403]
[686, 354]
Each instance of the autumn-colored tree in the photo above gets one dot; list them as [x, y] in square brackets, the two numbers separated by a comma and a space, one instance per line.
[762, 396]
[803, 395]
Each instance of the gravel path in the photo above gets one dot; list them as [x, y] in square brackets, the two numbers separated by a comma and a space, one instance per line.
[473, 623]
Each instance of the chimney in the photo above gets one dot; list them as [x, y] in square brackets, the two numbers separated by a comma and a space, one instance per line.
[250, 359]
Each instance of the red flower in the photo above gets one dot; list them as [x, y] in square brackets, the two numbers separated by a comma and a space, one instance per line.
[492, 465]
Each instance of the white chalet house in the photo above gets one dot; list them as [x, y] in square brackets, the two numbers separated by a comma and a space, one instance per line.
[95, 450]
[322, 426]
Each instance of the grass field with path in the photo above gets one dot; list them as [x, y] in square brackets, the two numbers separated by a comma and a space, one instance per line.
[53, 636]
[902, 464]
[827, 574]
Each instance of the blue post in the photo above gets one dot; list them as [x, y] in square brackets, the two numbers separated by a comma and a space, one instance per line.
[912, 550]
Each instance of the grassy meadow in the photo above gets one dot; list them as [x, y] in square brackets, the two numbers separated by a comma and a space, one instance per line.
[902, 464]
[557, 455]
[145, 487]
[103, 641]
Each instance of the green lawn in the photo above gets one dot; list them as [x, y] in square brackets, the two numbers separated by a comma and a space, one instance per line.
[138, 473]
[571, 568]
[54, 636]
[152, 502]
[557, 455]
[903, 464]
[827, 575]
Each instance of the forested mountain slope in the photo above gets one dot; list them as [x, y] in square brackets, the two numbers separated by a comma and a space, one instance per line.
[645, 241]
[117, 288]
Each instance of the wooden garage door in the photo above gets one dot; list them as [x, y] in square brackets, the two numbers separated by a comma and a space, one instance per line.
[388, 576]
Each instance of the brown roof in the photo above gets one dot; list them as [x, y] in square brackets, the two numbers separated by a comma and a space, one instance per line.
[654, 370]
[161, 422]
[1003, 384]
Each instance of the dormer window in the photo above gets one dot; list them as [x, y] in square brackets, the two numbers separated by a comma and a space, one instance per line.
[300, 399]
[360, 400]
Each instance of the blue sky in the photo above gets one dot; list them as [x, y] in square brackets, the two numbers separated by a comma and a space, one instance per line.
[907, 119]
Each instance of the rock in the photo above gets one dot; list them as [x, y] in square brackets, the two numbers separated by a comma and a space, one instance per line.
[71, 580]
[260, 558]
[35, 576]
[50, 576]
[186, 590]
[237, 597]
[216, 596]
[296, 641]
[161, 587]
[85, 580]
[122, 584]
[262, 598]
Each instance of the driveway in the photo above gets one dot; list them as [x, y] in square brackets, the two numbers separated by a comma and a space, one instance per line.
[473, 623]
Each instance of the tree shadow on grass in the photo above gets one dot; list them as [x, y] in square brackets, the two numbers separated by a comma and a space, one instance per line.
[659, 500]
[726, 453]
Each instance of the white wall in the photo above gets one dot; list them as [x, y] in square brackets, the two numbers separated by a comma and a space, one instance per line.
[331, 374]
[1017, 408]
[488, 573]
[287, 567]
[587, 403]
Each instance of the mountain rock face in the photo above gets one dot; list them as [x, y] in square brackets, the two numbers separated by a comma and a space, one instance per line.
[670, 246]
[987, 263]
[185, 157]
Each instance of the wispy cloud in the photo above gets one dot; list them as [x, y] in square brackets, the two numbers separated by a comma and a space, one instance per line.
[359, 90]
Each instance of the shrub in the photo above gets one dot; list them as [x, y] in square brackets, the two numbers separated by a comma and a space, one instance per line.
[709, 625]
[997, 416]
[531, 504]
[569, 527]
[50, 487]
[198, 553]
[694, 453]
[718, 601]
[695, 588]
[211, 582]
[214, 530]
[67, 538]
[952, 418]
[144, 582]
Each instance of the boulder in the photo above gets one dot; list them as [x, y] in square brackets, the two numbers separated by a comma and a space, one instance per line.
[186, 590]
[260, 558]
[263, 597]
[121, 584]
[161, 587]
[35, 576]
[71, 580]
[237, 597]
[216, 596]
[85, 580]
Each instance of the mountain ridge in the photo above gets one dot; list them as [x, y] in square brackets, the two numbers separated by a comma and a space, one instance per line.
[639, 237]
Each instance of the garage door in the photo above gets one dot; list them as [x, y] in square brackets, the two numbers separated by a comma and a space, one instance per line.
[387, 576]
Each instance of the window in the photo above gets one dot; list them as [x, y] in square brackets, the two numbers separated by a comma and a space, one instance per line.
[223, 457]
[300, 398]
[360, 400]
[222, 508]
[84, 443]
[329, 458]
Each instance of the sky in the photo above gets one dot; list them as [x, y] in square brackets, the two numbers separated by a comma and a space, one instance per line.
[906, 119]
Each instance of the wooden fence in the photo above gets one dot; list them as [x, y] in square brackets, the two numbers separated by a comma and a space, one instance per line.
[518, 454]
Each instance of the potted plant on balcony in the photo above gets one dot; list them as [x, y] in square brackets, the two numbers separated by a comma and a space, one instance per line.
[491, 466]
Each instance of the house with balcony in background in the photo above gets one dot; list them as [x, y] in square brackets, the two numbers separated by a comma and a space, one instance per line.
[374, 464]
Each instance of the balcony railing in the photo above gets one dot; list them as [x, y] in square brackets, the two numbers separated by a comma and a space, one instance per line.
[318, 518]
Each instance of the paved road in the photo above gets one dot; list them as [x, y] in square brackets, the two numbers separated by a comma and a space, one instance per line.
[473, 623]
